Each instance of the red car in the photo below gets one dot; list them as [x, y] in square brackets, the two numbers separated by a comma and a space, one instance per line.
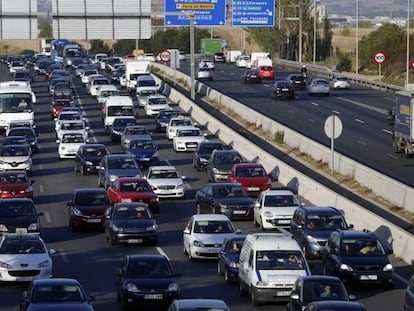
[252, 177]
[266, 72]
[133, 189]
[15, 184]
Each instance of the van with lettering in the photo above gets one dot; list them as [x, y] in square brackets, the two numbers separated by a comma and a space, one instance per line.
[269, 265]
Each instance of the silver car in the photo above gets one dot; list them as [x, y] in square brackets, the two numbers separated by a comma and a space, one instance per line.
[340, 82]
[204, 74]
[318, 86]
[198, 304]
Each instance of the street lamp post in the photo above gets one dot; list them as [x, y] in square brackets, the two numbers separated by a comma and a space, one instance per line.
[356, 36]
[407, 62]
[314, 29]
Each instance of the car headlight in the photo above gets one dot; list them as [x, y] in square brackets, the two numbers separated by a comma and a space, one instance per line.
[3, 228]
[173, 287]
[180, 186]
[88, 163]
[116, 132]
[215, 171]
[116, 228]
[181, 143]
[131, 287]
[112, 178]
[234, 264]
[345, 267]
[262, 283]
[5, 265]
[198, 244]
[203, 160]
[387, 267]
[268, 214]
[311, 239]
[77, 212]
[33, 226]
[151, 228]
[44, 264]
[155, 154]
[154, 199]
[223, 206]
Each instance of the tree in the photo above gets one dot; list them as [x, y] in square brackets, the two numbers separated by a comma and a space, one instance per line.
[45, 28]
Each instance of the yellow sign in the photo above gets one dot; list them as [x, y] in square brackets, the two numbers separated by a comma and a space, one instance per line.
[189, 6]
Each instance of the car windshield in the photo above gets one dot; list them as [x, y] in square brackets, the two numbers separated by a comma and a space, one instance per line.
[208, 148]
[136, 131]
[323, 290]
[142, 145]
[86, 198]
[250, 172]
[221, 158]
[13, 209]
[131, 212]
[95, 152]
[322, 223]
[213, 227]
[157, 101]
[147, 92]
[21, 132]
[122, 163]
[15, 151]
[124, 122]
[135, 186]
[185, 133]
[149, 269]
[22, 246]
[280, 200]
[279, 260]
[70, 116]
[158, 174]
[72, 139]
[181, 122]
[120, 111]
[72, 126]
[13, 178]
[361, 247]
[228, 192]
[56, 293]
[168, 114]
[16, 102]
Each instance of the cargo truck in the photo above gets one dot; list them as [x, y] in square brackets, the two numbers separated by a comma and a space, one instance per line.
[401, 117]
[133, 69]
[210, 46]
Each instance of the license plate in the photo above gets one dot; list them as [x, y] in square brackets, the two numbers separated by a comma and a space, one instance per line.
[24, 279]
[239, 212]
[93, 220]
[284, 221]
[212, 250]
[369, 277]
[126, 200]
[153, 296]
[253, 189]
[134, 241]
[192, 145]
[283, 293]
[145, 159]
[252, 76]
[285, 90]
[21, 230]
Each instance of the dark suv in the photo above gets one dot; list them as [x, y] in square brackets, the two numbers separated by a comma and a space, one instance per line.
[298, 80]
[311, 227]
[358, 257]
[220, 164]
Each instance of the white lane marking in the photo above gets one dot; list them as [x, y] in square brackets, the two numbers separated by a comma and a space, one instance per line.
[379, 110]
[63, 255]
[361, 142]
[387, 131]
[315, 103]
[360, 121]
[91, 134]
[390, 99]
[47, 216]
[41, 188]
[392, 155]
[161, 252]
[336, 112]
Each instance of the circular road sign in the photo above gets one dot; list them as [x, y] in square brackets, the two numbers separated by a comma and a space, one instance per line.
[379, 57]
[333, 127]
[165, 56]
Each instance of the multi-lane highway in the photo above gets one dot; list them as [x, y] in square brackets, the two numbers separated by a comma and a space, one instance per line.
[88, 257]
[366, 136]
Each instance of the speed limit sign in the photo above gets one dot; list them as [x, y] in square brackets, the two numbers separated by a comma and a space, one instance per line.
[165, 56]
[379, 57]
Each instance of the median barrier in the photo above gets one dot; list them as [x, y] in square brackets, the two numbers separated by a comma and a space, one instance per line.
[311, 190]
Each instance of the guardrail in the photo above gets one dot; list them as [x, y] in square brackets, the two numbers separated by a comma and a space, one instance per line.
[391, 235]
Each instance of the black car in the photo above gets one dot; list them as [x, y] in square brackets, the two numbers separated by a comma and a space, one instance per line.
[88, 157]
[146, 281]
[87, 208]
[283, 89]
[55, 294]
[19, 215]
[251, 75]
[358, 257]
[130, 223]
[228, 258]
[316, 288]
[335, 305]
[164, 117]
[203, 152]
[219, 57]
[220, 164]
[29, 133]
[118, 126]
[15, 140]
[298, 81]
[229, 199]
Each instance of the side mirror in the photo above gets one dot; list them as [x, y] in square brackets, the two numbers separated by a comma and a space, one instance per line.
[186, 231]
[333, 251]
[294, 296]
[257, 205]
[389, 252]
[350, 226]
[352, 297]
[52, 251]
[238, 231]
[69, 203]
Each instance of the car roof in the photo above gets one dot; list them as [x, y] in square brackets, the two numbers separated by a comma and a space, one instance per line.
[163, 167]
[16, 200]
[147, 257]
[93, 146]
[320, 278]
[317, 210]
[131, 179]
[89, 190]
[56, 281]
[210, 217]
[248, 164]
[277, 192]
[342, 305]
[357, 234]
[197, 303]
[27, 236]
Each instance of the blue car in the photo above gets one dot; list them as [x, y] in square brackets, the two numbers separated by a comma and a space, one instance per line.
[228, 258]
[144, 150]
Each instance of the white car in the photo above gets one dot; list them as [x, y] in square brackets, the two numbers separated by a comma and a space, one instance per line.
[67, 116]
[340, 82]
[154, 103]
[243, 61]
[204, 234]
[85, 75]
[198, 304]
[166, 182]
[24, 258]
[16, 157]
[69, 144]
[275, 208]
[206, 63]
[177, 123]
[78, 126]
[188, 139]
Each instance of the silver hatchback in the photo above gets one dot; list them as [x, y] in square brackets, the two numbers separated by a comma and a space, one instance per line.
[318, 86]
[340, 82]
[204, 74]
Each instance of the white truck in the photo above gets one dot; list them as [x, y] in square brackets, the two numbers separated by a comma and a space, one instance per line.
[256, 56]
[232, 55]
[134, 69]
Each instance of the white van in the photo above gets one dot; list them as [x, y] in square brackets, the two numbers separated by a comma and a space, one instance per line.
[104, 91]
[146, 85]
[269, 265]
[117, 106]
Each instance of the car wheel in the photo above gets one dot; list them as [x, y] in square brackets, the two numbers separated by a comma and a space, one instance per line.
[189, 256]
[111, 241]
[219, 271]
[324, 270]
[261, 224]
[255, 222]
[388, 286]
[82, 170]
[72, 227]
[75, 168]
[198, 208]
[242, 291]
[253, 298]
[227, 276]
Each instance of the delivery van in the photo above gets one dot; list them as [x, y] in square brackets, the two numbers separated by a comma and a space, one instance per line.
[117, 106]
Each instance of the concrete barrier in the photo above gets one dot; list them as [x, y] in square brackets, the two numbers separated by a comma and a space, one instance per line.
[392, 236]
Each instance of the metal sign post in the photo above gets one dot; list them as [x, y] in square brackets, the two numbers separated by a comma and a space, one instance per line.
[379, 58]
[333, 129]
